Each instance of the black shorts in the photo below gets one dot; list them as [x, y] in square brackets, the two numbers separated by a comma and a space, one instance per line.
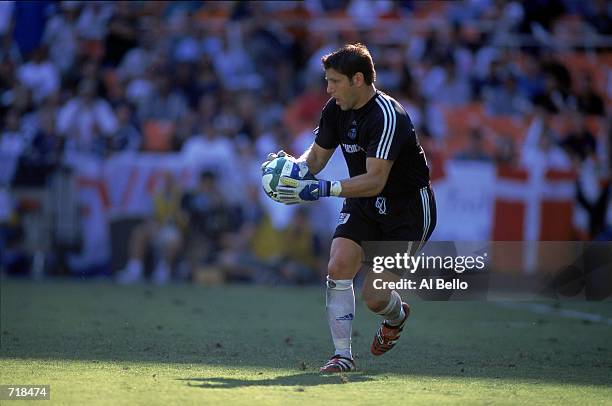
[406, 218]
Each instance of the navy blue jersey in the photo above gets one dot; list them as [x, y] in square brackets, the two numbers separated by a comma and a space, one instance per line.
[380, 129]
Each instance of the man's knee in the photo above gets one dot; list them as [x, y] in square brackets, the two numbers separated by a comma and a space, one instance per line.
[341, 268]
[376, 304]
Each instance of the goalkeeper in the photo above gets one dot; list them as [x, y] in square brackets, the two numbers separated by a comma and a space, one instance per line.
[388, 196]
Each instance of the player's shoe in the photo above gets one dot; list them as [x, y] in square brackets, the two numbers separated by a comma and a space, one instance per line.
[387, 336]
[338, 363]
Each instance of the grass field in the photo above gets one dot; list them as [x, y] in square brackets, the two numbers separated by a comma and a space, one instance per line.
[96, 343]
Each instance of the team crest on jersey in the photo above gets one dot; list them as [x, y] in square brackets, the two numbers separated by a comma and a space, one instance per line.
[352, 132]
[381, 205]
[344, 218]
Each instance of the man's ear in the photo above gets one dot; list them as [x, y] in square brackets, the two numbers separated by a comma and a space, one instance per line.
[358, 79]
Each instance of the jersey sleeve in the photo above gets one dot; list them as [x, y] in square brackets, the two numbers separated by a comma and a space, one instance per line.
[388, 133]
[326, 134]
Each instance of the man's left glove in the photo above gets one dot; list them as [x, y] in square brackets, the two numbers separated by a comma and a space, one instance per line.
[272, 156]
[292, 191]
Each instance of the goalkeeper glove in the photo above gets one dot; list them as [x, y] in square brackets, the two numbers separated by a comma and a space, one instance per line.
[272, 156]
[292, 191]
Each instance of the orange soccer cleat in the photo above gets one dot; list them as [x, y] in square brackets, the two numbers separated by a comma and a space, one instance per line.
[387, 336]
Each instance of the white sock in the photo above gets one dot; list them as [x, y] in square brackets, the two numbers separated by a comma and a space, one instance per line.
[134, 267]
[340, 306]
[394, 311]
[132, 272]
[161, 274]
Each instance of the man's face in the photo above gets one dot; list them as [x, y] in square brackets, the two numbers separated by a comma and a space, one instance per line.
[340, 88]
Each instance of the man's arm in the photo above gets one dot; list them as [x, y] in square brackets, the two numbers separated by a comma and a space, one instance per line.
[370, 183]
[316, 157]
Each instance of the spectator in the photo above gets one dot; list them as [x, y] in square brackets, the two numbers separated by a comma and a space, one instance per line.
[556, 96]
[39, 75]
[211, 218]
[9, 52]
[127, 137]
[444, 84]
[86, 119]
[475, 150]
[505, 151]
[187, 48]
[540, 148]
[579, 142]
[93, 21]
[6, 14]
[600, 18]
[209, 151]
[61, 36]
[165, 102]
[300, 261]
[237, 257]
[14, 259]
[595, 203]
[184, 80]
[140, 87]
[163, 233]
[207, 79]
[589, 100]
[43, 155]
[12, 139]
[13, 142]
[235, 68]
[135, 62]
[122, 33]
[506, 99]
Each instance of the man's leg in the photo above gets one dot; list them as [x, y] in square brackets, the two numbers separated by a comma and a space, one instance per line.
[413, 227]
[139, 240]
[168, 242]
[388, 304]
[345, 261]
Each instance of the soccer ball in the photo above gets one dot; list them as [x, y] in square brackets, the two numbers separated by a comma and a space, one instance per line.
[282, 166]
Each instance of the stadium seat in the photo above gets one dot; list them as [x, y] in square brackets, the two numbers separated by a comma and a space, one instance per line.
[459, 122]
[580, 63]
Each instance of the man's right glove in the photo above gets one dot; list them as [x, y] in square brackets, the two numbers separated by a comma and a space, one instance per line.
[292, 191]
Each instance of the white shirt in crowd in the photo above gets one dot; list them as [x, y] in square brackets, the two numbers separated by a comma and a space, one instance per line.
[81, 123]
[41, 78]
[61, 37]
[93, 20]
[534, 157]
[216, 154]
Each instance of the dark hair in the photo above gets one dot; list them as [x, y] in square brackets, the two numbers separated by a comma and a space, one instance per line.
[206, 175]
[350, 59]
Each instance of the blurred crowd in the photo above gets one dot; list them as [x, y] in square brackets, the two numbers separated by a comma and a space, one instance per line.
[223, 83]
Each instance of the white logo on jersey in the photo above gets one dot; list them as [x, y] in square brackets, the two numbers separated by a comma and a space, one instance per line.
[381, 205]
[344, 218]
[352, 148]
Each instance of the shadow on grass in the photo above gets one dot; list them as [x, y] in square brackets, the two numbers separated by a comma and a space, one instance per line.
[300, 380]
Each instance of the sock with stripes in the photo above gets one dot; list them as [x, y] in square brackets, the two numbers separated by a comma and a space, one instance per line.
[394, 311]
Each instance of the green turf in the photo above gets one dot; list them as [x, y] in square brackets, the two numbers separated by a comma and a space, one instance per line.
[96, 343]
